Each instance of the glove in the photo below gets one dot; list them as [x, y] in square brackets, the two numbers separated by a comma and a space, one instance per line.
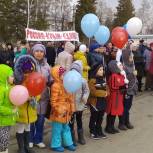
[126, 81]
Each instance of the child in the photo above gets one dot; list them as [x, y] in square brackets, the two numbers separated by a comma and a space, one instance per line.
[7, 110]
[62, 104]
[132, 88]
[97, 101]
[81, 97]
[36, 129]
[80, 55]
[117, 82]
[25, 65]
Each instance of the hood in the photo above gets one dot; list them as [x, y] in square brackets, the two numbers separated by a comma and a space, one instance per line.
[94, 46]
[55, 73]
[5, 72]
[24, 64]
[69, 47]
[113, 67]
[78, 54]
[77, 65]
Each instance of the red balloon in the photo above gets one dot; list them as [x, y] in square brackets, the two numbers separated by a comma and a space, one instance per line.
[119, 37]
[35, 83]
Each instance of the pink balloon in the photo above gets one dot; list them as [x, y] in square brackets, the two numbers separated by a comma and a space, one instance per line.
[18, 95]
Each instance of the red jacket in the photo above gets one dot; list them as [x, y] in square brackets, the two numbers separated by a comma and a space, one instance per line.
[115, 99]
[151, 64]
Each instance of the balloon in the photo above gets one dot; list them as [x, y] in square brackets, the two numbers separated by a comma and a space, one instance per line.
[72, 81]
[119, 37]
[90, 24]
[35, 83]
[18, 95]
[134, 26]
[102, 35]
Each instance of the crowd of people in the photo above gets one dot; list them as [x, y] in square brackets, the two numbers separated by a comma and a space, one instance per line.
[111, 78]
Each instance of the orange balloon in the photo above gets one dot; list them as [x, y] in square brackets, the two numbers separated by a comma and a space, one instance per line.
[35, 83]
[119, 37]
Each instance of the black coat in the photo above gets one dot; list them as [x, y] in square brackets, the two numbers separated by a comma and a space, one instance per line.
[7, 57]
[50, 55]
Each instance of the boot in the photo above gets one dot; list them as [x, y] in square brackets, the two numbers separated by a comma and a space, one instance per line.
[81, 139]
[112, 124]
[26, 143]
[73, 137]
[108, 128]
[20, 141]
[121, 125]
[128, 124]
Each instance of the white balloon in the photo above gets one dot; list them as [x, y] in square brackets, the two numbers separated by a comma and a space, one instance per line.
[134, 26]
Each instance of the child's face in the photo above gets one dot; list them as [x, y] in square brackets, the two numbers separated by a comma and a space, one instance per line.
[10, 79]
[100, 72]
[39, 55]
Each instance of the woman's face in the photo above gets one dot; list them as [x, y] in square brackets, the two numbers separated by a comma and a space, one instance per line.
[39, 55]
[100, 72]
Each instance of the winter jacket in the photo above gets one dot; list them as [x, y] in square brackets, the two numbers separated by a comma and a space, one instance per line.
[22, 52]
[62, 103]
[81, 96]
[129, 67]
[81, 56]
[7, 117]
[151, 64]
[44, 69]
[50, 55]
[115, 99]
[98, 93]
[7, 57]
[27, 113]
[139, 63]
[65, 58]
[147, 56]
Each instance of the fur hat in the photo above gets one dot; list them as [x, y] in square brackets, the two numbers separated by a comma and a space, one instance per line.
[113, 67]
[24, 64]
[77, 65]
[40, 47]
[69, 47]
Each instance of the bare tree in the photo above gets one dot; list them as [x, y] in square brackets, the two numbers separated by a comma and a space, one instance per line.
[145, 14]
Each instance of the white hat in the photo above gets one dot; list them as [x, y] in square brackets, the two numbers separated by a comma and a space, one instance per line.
[83, 48]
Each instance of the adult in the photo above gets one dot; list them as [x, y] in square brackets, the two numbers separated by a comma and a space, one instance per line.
[65, 58]
[6, 56]
[50, 54]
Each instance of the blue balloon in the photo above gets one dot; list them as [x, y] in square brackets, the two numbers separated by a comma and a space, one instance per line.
[72, 81]
[90, 24]
[102, 35]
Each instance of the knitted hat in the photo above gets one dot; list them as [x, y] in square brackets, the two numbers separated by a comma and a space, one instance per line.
[77, 65]
[37, 47]
[93, 47]
[113, 67]
[61, 71]
[69, 47]
[83, 48]
[24, 64]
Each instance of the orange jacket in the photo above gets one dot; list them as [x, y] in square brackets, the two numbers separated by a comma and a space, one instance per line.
[62, 103]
